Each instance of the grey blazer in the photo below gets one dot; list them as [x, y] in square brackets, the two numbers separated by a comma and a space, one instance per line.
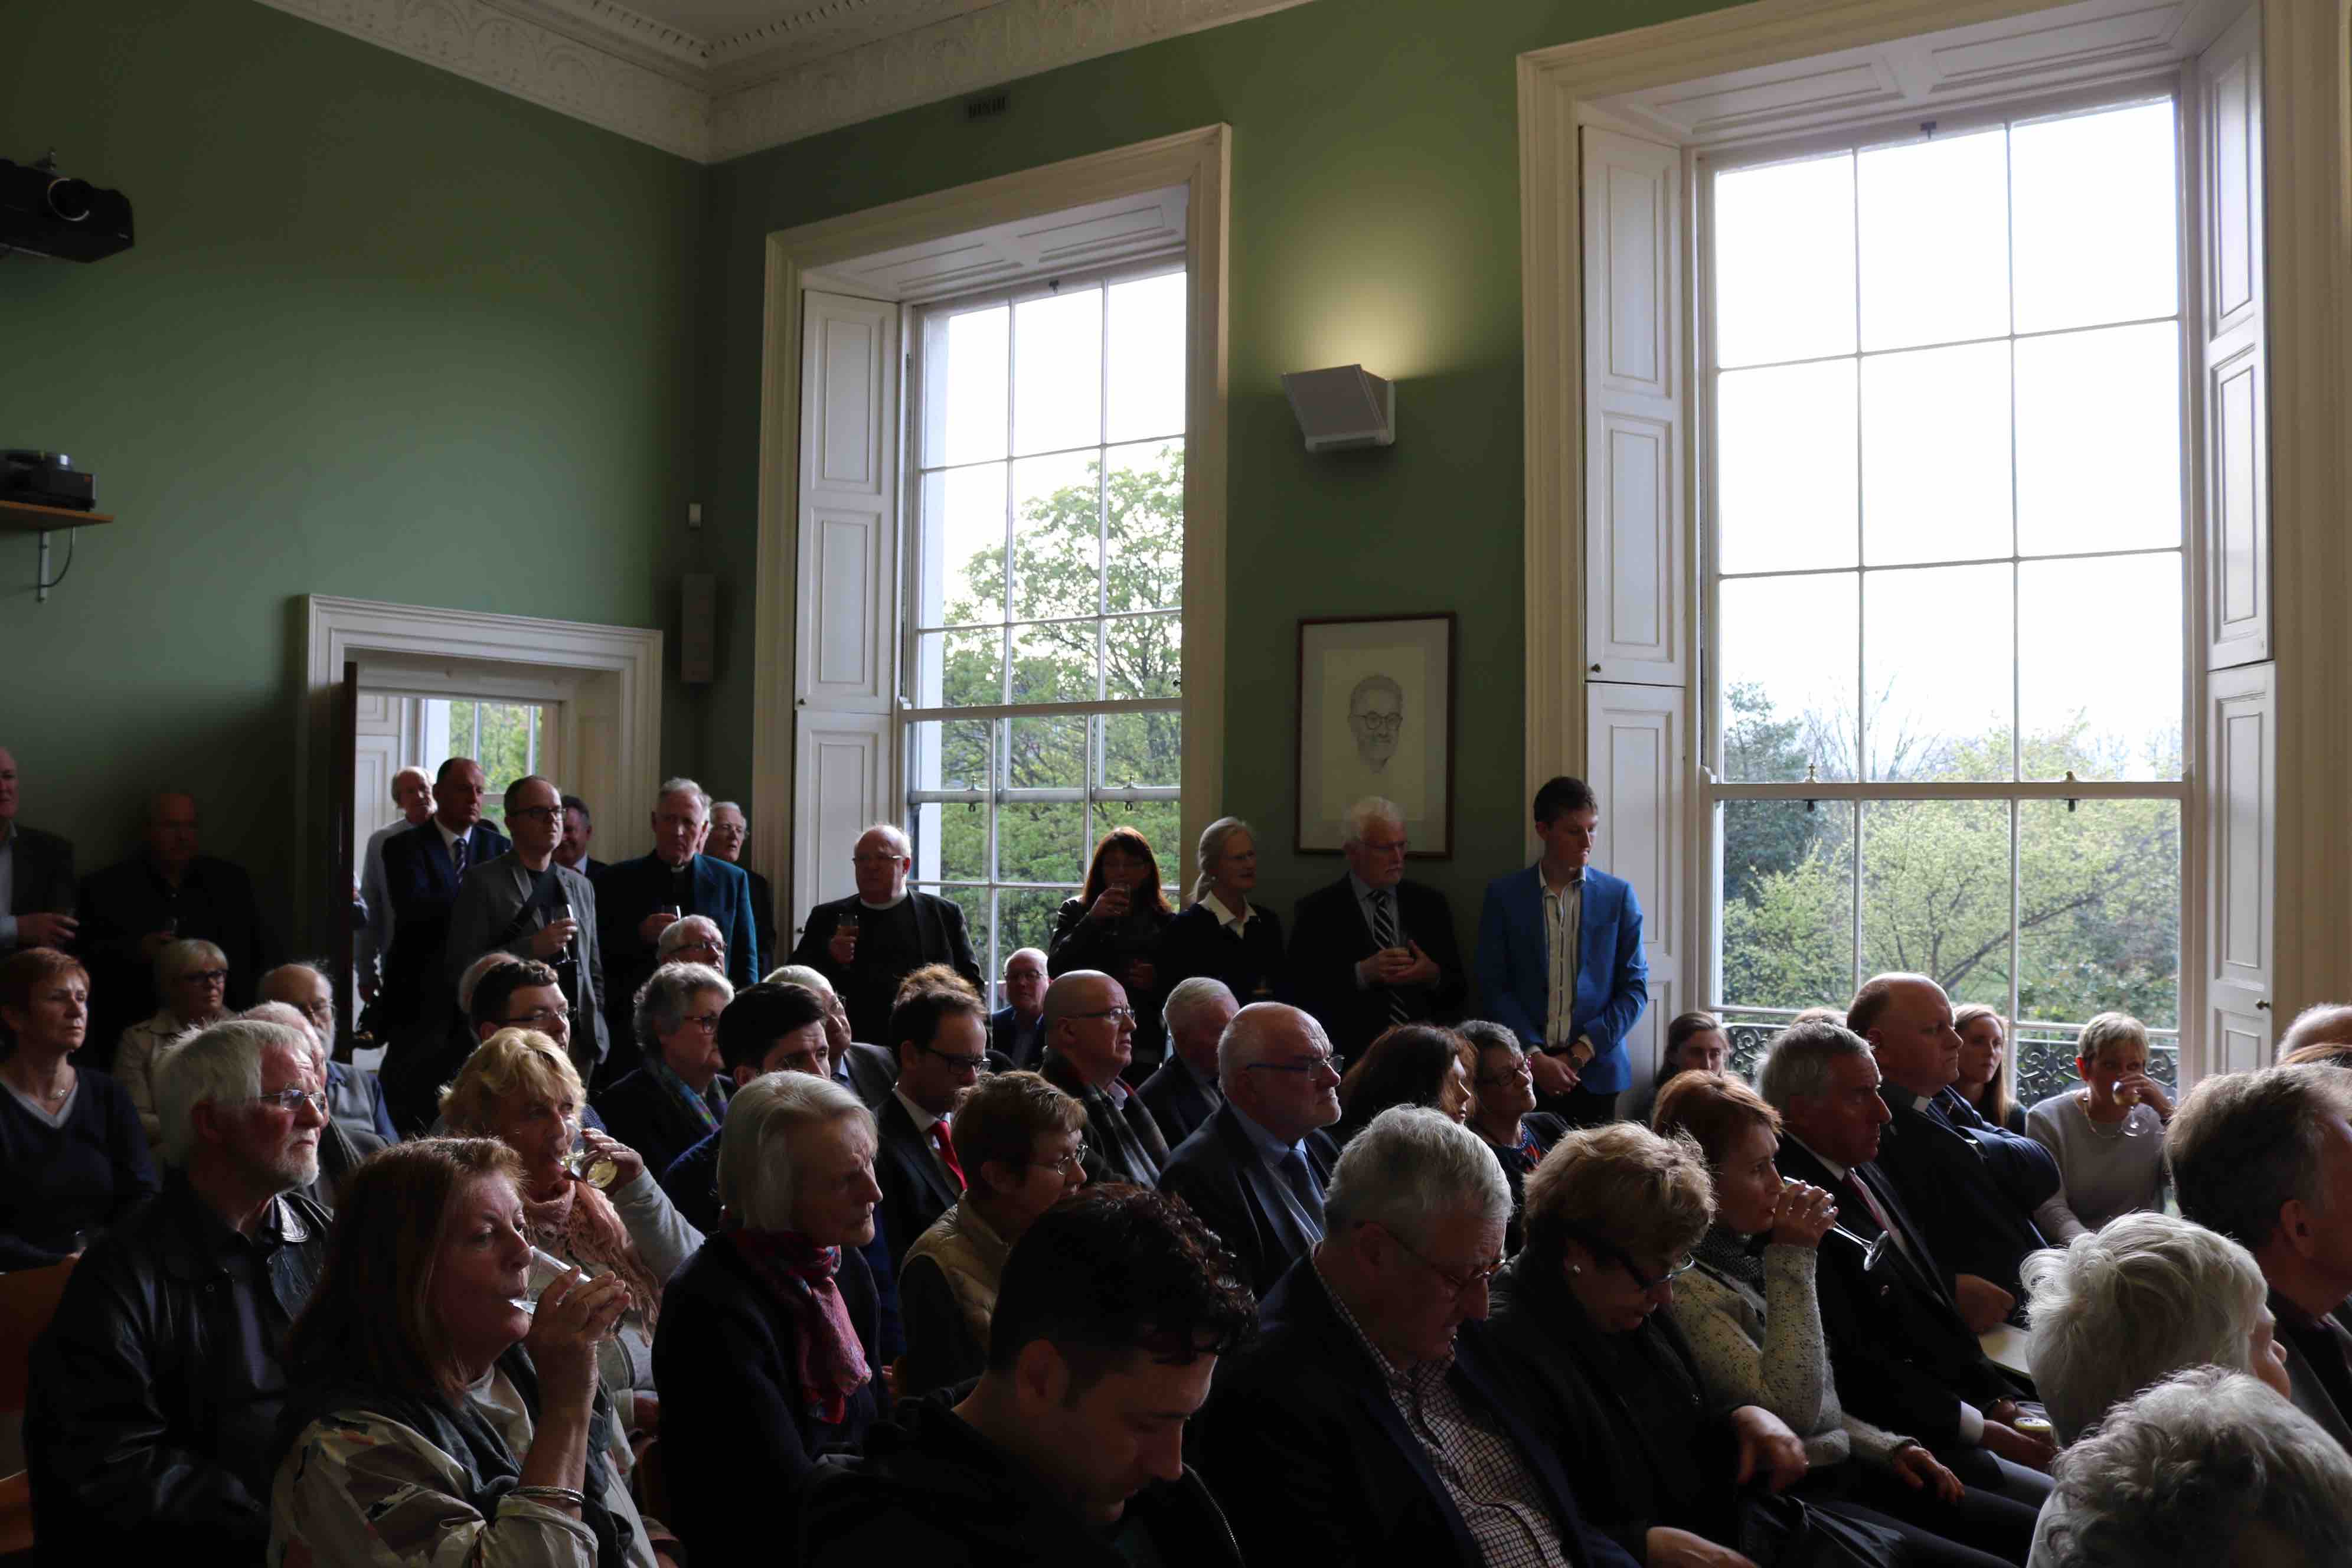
[487, 901]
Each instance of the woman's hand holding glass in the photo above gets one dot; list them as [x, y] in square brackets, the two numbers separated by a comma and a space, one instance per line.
[1804, 1215]
[574, 1314]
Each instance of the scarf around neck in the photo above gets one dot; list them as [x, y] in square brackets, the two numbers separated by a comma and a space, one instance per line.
[800, 1274]
[1733, 1255]
[581, 1225]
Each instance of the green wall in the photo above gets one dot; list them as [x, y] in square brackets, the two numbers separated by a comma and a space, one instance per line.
[385, 333]
[1374, 218]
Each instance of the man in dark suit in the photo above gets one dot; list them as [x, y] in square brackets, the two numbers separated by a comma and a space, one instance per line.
[1973, 1187]
[866, 944]
[636, 900]
[1368, 1422]
[1089, 1040]
[166, 892]
[1182, 1093]
[731, 831]
[1255, 1171]
[942, 1038]
[579, 829]
[1016, 1031]
[421, 869]
[1901, 1353]
[1373, 950]
[36, 878]
[866, 1071]
[1560, 961]
[526, 903]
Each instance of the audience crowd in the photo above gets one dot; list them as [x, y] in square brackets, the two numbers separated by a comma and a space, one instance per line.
[1207, 1246]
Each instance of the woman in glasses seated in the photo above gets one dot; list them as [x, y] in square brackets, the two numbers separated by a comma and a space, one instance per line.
[1022, 1143]
[1502, 1112]
[192, 977]
[678, 1097]
[1753, 1322]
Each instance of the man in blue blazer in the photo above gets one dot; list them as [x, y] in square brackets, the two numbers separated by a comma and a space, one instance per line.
[421, 869]
[636, 899]
[1561, 920]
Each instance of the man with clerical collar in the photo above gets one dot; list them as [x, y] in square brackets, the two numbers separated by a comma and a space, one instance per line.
[866, 943]
[638, 900]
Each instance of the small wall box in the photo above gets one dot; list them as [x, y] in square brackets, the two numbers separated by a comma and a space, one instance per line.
[1343, 407]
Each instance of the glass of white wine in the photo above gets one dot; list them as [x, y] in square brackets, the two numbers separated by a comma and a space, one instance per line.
[597, 1170]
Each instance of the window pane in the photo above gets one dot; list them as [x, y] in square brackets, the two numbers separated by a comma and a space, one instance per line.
[1784, 262]
[2095, 197]
[1789, 650]
[1938, 673]
[1935, 241]
[1145, 750]
[1144, 508]
[959, 669]
[1047, 754]
[2100, 911]
[1057, 372]
[1147, 358]
[1025, 918]
[1054, 662]
[1143, 655]
[1935, 454]
[1787, 903]
[951, 841]
[1935, 894]
[973, 901]
[1056, 536]
[949, 753]
[1785, 467]
[965, 376]
[963, 546]
[2098, 441]
[2101, 681]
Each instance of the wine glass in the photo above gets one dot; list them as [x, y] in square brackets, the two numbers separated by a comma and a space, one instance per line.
[590, 1167]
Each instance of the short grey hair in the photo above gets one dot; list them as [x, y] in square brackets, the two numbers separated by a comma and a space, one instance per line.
[676, 934]
[2107, 1031]
[1485, 1034]
[684, 786]
[2244, 1144]
[2321, 1023]
[1243, 1041]
[1371, 809]
[757, 1176]
[1410, 1169]
[2209, 1467]
[473, 976]
[800, 974]
[174, 959]
[288, 1015]
[661, 1001]
[216, 1066]
[2121, 1306]
[1796, 1065]
[735, 807]
[321, 968]
[412, 770]
[1192, 994]
[1212, 845]
[898, 835]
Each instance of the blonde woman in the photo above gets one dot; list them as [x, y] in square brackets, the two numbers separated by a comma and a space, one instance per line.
[192, 977]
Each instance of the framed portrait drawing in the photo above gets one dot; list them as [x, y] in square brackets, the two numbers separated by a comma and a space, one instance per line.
[1376, 718]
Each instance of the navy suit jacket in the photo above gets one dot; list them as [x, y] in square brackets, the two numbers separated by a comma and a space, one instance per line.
[1612, 977]
[916, 1188]
[42, 882]
[1968, 1189]
[1004, 1037]
[1302, 1445]
[422, 882]
[1176, 1099]
[629, 890]
[1222, 1178]
[1329, 936]
[868, 1072]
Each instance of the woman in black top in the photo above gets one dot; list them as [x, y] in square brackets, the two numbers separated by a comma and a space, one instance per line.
[1223, 936]
[69, 1137]
[1115, 926]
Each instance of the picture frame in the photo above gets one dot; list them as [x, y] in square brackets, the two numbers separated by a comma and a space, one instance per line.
[1376, 718]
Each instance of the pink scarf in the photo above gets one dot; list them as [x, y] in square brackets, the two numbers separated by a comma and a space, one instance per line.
[584, 1226]
[800, 1274]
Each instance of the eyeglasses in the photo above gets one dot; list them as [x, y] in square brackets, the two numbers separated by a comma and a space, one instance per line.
[1379, 723]
[1121, 1014]
[538, 1016]
[1062, 1164]
[294, 1099]
[535, 814]
[708, 945]
[1462, 1283]
[707, 1022]
[1520, 1069]
[207, 976]
[1305, 1065]
[960, 1063]
[1617, 1254]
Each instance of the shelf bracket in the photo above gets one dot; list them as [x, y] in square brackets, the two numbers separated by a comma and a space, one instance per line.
[42, 581]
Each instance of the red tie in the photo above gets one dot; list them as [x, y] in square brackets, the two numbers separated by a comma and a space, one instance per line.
[946, 1146]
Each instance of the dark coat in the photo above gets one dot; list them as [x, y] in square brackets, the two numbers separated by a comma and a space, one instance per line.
[492, 910]
[128, 902]
[928, 1490]
[1252, 966]
[763, 920]
[1177, 1100]
[1007, 1039]
[939, 930]
[417, 995]
[916, 1188]
[150, 1425]
[1078, 943]
[1222, 1178]
[85, 1175]
[1134, 1131]
[646, 1113]
[1972, 1189]
[737, 1433]
[42, 881]
[629, 890]
[870, 1071]
[1315, 1465]
[1329, 936]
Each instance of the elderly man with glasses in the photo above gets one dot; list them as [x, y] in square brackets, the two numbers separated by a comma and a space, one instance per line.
[156, 1392]
[1374, 950]
[1089, 1040]
[941, 1037]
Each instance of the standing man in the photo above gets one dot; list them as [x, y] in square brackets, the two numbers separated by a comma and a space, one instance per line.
[36, 878]
[1373, 950]
[579, 828]
[1089, 1040]
[637, 899]
[525, 903]
[730, 830]
[1016, 1031]
[1560, 961]
[866, 944]
[422, 869]
[411, 791]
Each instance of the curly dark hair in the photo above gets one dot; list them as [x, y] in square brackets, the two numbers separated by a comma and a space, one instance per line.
[1115, 1271]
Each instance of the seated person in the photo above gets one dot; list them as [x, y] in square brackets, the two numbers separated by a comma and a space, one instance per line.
[1370, 1420]
[192, 977]
[678, 1097]
[1023, 1144]
[338, 1154]
[69, 1137]
[1694, 1043]
[767, 1353]
[1411, 1064]
[1089, 1040]
[1256, 1171]
[2321, 1025]
[1222, 935]
[1070, 1448]
[1016, 1031]
[154, 1394]
[522, 1088]
[1182, 1093]
[694, 938]
[432, 1416]
[354, 1095]
[1503, 1111]
[866, 1070]
[1982, 1085]
[2207, 1467]
[1115, 924]
[941, 1035]
[2107, 1135]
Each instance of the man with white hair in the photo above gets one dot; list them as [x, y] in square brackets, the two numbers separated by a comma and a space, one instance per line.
[2207, 1469]
[1373, 950]
[731, 833]
[412, 792]
[156, 1392]
[866, 1070]
[2321, 1025]
[1182, 1093]
[637, 900]
[1368, 1422]
[694, 940]
[868, 942]
[1255, 1171]
[1016, 1031]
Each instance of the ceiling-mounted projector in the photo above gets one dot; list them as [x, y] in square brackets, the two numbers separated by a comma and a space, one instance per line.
[45, 214]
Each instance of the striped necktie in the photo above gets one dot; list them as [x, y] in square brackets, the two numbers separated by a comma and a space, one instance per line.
[1384, 932]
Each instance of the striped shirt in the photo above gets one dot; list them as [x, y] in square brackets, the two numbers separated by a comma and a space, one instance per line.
[1563, 918]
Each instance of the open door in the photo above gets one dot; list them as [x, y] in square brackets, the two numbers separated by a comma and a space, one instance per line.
[335, 916]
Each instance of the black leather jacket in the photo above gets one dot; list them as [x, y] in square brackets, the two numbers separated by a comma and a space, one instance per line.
[156, 1389]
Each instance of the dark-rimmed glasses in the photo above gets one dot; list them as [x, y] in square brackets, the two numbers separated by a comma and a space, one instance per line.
[1609, 1253]
[1308, 1066]
[1461, 1284]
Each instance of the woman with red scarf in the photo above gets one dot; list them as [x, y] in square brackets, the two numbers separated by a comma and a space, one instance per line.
[766, 1354]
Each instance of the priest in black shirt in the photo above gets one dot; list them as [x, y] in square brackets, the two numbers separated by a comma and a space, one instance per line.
[866, 943]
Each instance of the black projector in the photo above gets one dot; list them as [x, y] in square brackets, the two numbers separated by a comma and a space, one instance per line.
[45, 479]
[45, 214]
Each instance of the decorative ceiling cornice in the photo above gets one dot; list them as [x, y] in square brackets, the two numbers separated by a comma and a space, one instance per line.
[824, 65]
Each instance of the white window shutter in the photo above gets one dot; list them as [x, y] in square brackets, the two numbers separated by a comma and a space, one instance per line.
[847, 602]
[2235, 405]
[2240, 725]
[1637, 769]
[1635, 599]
